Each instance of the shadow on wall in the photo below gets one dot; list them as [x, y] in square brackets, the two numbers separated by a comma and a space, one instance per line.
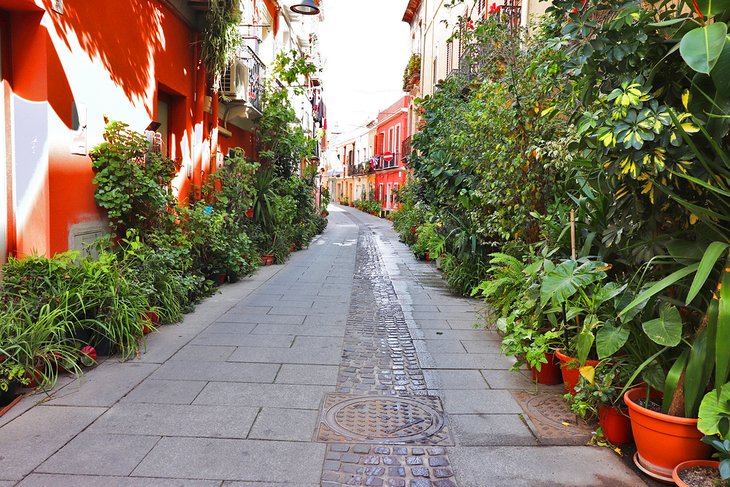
[125, 36]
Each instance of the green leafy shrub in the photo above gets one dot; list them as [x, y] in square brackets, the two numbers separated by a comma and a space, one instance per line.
[132, 183]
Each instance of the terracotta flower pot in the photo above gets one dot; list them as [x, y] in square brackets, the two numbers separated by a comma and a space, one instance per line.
[549, 373]
[35, 377]
[615, 424]
[662, 441]
[267, 259]
[570, 371]
[691, 464]
[153, 317]
[221, 278]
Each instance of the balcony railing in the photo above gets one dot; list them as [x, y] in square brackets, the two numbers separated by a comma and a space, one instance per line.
[405, 148]
[256, 73]
[382, 164]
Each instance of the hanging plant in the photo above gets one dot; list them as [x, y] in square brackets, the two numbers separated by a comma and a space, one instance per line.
[221, 38]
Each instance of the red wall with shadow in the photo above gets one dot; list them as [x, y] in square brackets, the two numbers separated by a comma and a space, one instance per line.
[142, 47]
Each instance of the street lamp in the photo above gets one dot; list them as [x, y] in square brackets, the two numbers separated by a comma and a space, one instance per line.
[305, 7]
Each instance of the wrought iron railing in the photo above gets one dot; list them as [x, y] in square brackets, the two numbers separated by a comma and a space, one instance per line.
[405, 148]
[256, 73]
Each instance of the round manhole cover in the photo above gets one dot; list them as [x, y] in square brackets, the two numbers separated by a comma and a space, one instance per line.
[384, 419]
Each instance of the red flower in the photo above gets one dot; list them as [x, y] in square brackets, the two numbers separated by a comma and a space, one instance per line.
[494, 8]
[470, 25]
[88, 356]
[575, 10]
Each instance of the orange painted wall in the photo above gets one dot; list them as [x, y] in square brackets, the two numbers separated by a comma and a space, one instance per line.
[113, 58]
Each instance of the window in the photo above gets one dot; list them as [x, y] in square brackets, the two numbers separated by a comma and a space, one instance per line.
[397, 143]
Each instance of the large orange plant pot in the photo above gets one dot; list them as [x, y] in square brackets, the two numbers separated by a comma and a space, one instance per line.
[662, 441]
[570, 371]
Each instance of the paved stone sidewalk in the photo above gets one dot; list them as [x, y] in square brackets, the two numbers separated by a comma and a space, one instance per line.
[349, 365]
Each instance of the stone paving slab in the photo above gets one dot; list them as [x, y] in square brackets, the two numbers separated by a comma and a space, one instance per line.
[108, 383]
[30, 439]
[454, 379]
[286, 355]
[261, 395]
[324, 375]
[213, 421]
[507, 379]
[48, 480]
[240, 340]
[259, 484]
[94, 453]
[481, 346]
[300, 330]
[324, 320]
[284, 424]
[433, 334]
[480, 401]
[156, 391]
[217, 371]
[205, 353]
[250, 460]
[243, 317]
[490, 429]
[319, 342]
[471, 361]
[578, 466]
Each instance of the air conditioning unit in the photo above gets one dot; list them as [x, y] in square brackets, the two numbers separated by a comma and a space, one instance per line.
[234, 82]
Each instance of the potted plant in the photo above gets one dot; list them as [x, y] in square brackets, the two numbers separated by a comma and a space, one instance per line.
[666, 424]
[598, 396]
[576, 300]
[714, 422]
[11, 375]
[698, 473]
[513, 291]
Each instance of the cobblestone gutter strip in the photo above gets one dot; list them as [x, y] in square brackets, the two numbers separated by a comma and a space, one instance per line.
[382, 428]
[379, 356]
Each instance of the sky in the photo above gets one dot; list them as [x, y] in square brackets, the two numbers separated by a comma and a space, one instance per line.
[365, 46]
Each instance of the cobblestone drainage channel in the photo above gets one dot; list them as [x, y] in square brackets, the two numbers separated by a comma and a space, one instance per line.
[387, 420]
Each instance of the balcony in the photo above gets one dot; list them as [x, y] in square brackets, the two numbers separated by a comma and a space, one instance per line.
[405, 148]
[256, 73]
[360, 169]
[382, 164]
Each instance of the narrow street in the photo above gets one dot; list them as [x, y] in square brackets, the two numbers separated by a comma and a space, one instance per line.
[351, 364]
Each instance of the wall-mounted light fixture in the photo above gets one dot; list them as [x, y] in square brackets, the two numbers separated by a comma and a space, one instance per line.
[305, 7]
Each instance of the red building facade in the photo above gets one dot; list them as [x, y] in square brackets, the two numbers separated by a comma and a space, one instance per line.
[68, 65]
[390, 170]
